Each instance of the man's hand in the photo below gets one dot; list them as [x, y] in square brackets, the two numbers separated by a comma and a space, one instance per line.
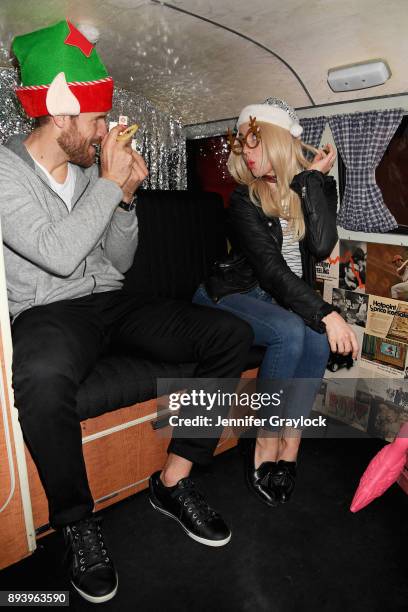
[341, 337]
[324, 159]
[138, 174]
[116, 158]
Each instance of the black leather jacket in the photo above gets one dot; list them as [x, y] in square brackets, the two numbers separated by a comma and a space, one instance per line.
[259, 239]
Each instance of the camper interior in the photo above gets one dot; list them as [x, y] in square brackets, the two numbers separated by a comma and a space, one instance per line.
[182, 71]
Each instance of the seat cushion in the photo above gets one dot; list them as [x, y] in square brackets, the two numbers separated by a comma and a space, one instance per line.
[123, 380]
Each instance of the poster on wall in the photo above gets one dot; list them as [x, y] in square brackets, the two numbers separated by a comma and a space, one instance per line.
[329, 268]
[387, 318]
[327, 274]
[352, 268]
[391, 390]
[386, 419]
[387, 357]
[376, 406]
[387, 271]
[348, 405]
[329, 286]
[325, 287]
[353, 306]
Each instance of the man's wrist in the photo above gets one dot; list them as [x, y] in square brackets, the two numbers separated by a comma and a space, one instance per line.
[128, 206]
[111, 179]
[128, 197]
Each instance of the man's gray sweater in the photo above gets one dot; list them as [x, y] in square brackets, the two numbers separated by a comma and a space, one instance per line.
[52, 254]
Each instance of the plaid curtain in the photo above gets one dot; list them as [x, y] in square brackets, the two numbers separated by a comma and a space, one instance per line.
[362, 139]
[313, 129]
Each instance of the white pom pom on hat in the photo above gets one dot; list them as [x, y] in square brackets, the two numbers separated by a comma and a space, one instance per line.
[273, 111]
[296, 130]
[89, 31]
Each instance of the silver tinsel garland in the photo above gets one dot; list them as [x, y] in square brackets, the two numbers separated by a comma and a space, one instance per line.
[284, 106]
[160, 139]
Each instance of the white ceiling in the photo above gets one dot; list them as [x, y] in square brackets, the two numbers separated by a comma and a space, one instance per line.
[198, 72]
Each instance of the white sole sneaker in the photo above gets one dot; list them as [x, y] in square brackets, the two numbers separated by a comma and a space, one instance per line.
[213, 543]
[100, 599]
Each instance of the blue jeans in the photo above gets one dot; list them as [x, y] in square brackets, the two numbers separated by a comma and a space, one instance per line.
[293, 350]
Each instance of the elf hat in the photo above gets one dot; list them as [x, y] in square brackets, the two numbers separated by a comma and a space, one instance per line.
[61, 73]
[273, 111]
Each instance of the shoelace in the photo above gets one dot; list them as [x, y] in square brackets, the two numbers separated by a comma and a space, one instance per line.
[88, 543]
[196, 504]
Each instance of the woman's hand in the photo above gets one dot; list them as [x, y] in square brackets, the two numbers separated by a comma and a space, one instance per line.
[341, 337]
[324, 159]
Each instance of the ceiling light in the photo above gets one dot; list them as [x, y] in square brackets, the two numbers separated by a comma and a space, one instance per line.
[358, 76]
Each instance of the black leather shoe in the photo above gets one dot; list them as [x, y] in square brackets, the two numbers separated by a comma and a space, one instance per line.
[93, 574]
[188, 507]
[284, 479]
[259, 480]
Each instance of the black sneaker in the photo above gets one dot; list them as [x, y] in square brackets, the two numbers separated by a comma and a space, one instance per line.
[92, 571]
[188, 507]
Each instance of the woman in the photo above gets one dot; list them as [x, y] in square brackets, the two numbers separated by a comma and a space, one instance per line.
[282, 220]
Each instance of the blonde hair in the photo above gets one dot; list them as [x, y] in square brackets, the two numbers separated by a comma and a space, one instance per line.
[285, 154]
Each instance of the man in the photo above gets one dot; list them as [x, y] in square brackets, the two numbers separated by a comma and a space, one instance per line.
[69, 235]
[361, 314]
[400, 290]
[348, 279]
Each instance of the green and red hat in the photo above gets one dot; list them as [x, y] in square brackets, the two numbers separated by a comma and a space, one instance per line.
[61, 73]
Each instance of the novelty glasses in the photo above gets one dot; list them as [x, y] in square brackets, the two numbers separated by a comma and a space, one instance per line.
[251, 139]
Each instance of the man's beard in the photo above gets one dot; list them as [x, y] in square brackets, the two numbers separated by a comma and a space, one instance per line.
[77, 147]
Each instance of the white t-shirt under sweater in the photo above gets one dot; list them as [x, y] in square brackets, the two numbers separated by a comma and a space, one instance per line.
[290, 249]
[64, 190]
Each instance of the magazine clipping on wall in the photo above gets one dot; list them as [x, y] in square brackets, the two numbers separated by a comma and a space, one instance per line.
[351, 409]
[386, 419]
[395, 391]
[385, 358]
[327, 274]
[369, 284]
[387, 318]
[352, 268]
[353, 306]
[385, 341]
[373, 406]
[387, 271]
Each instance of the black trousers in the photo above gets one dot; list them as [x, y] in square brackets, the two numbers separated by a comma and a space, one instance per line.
[56, 346]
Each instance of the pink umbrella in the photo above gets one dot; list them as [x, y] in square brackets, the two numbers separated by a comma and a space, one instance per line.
[382, 471]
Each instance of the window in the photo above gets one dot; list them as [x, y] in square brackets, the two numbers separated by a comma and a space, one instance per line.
[391, 176]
